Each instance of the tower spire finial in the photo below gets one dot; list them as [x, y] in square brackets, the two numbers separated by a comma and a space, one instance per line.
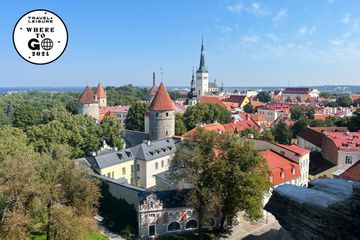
[154, 84]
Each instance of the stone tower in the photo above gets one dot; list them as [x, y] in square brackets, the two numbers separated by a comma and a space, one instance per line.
[162, 115]
[152, 92]
[88, 103]
[202, 81]
[101, 96]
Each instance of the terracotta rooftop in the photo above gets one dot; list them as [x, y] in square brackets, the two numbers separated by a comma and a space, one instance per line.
[352, 173]
[100, 92]
[114, 109]
[162, 100]
[213, 100]
[152, 91]
[348, 141]
[295, 148]
[87, 96]
[282, 169]
[235, 99]
[215, 127]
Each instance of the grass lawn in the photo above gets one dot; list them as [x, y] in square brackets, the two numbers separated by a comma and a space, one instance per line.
[95, 236]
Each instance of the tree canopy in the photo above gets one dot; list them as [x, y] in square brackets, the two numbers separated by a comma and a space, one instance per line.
[263, 97]
[344, 101]
[282, 133]
[205, 113]
[225, 173]
[135, 117]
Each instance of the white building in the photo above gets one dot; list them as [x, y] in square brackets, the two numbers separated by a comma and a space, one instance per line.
[202, 75]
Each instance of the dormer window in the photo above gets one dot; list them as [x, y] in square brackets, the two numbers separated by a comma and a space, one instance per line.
[282, 174]
[293, 170]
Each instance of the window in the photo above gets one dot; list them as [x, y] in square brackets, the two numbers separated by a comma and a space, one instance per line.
[282, 174]
[167, 114]
[132, 168]
[167, 133]
[162, 163]
[191, 224]
[123, 171]
[282, 153]
[152, 230]
[348, 159]
[112, 175]
[156, 165]
[138, 167]
[174, 226]
[109, 175]
[157, 114]
[151, 215]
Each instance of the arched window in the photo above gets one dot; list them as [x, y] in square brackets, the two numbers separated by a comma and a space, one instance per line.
[167, 114]
[293, 170]
[191, 224]
[174, 226]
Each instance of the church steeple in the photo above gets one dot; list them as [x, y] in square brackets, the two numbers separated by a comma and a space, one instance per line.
[193, 84]
[202, 67]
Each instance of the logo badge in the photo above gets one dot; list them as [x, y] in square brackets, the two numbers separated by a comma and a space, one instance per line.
[40, 37]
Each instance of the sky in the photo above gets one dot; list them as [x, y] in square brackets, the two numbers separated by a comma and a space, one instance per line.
[247, 43]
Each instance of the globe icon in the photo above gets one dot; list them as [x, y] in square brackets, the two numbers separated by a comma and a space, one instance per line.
[47, 44]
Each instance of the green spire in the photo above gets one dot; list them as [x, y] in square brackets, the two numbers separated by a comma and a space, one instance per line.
[202, 67]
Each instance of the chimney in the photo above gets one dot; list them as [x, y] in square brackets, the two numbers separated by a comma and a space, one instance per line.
[154, 84]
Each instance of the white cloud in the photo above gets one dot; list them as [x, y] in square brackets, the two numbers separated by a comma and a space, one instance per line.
[280, 15]
[306, 31]
[236, 8]
[346, 19]
[272, 37]
[250, 39]
[255, 9]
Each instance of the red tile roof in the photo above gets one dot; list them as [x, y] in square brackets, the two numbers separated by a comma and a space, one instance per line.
[352, 173]
[114, 109]
[100, 92]
[282, 169]
[235, 99]
[152, 91]
[295, 148]
[215, 127]
[348, 141]
[87, 96]
[213, 100]
[162, 100]
[297, 90]
[355, 97]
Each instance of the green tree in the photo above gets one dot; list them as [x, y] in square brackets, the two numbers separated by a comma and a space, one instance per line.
[180, 127]
[297, 112]
[354, 123]
[310, 112]
[282, 133]
[27, 115]
[249, 108]
[331, 104]
[205, 113]
[112, 132]
[195, 163]
[325, 95]
[250, 131]
[125, 95]
[267, 135]
[12, 141]
[135, 117]
[263, 97]
[299, 125]
[342, 122]
[344, 101]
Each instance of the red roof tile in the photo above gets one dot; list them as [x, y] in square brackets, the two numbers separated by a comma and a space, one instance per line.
[295, 148]
[352, 173]
[215, 127]
[213, 100]
[281, 168]
[87, 96]
[100, 92]
[348, 141]
[152, 91]
[162, 100]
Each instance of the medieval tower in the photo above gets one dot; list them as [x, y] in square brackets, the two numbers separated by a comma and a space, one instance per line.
[101, 96]
[162, 115]
[88, 103]
[202, 81]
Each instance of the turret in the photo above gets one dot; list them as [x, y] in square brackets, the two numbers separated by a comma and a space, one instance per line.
[162, 115]
[101, 96]
[88, 103]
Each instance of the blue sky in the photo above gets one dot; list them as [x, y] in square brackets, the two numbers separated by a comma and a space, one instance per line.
[247, 43]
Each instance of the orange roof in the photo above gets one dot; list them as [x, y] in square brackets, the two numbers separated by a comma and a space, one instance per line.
[355, 97]
[282, 169]
[213, 100]
[152, 91]
[114, 109]
[256, 117]
[100, 92]
[320, 116]
[162, 100]
[295, 148]
[87, 96]
[256, 103]
[215, 127]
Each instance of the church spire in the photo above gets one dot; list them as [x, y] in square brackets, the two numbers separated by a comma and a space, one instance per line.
[202, 67]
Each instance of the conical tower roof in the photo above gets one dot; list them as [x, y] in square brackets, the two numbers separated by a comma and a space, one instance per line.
[100, 92]
[87, 96]
[162, 100]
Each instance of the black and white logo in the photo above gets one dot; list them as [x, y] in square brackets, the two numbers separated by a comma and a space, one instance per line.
[40, 37]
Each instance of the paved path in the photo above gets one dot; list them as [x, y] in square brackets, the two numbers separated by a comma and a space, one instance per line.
[255, 231]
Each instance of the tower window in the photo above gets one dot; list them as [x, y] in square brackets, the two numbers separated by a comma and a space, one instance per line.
[157, 114]
[167, 114]
[167, 133]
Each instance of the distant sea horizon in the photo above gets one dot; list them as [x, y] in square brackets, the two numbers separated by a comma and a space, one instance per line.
[324, 88]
